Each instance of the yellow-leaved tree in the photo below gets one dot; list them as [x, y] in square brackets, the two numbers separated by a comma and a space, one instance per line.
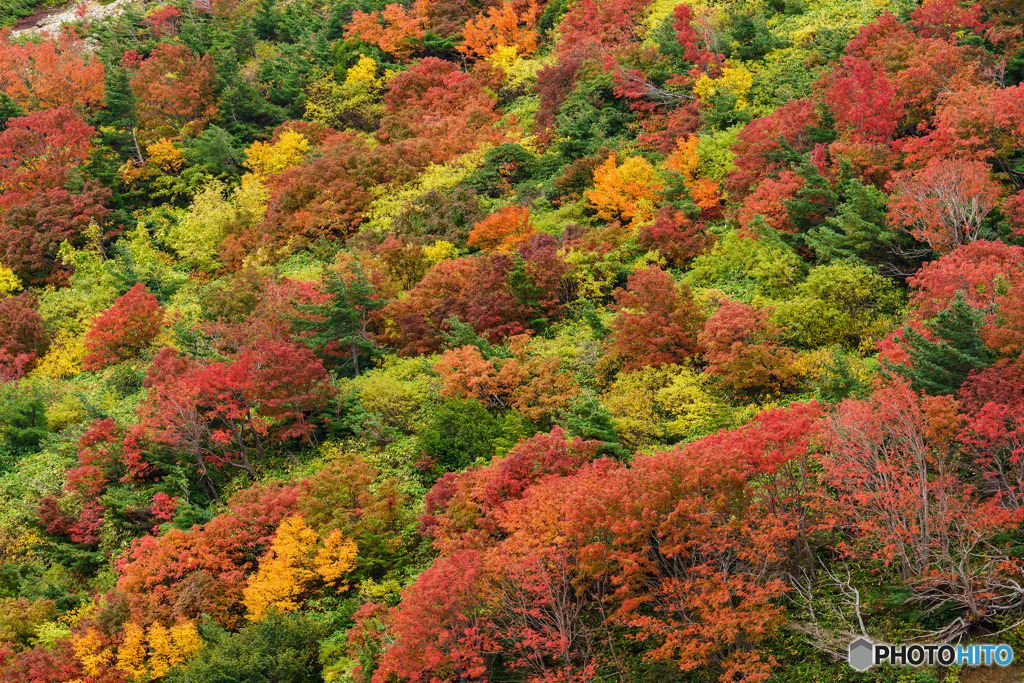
[92, 652]
[148, 654]
[297, 565]
[736, 80]
[663, 404]
[9, 282]
[213, 213]
[626, 193]
[266, 158]
[354, 103]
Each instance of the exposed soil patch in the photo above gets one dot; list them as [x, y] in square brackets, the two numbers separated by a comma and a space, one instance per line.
[40, 14]
[50, 19]
[993, 674]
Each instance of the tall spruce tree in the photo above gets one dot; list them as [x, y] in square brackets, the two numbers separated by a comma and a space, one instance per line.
[859, 230]
[338, 329]
[119, 111]
[939, 367]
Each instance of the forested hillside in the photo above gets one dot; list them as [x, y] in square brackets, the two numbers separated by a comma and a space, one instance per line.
[477, 340]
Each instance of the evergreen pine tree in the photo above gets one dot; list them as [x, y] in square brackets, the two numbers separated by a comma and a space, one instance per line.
[859, 232]
[939, 367]
[265, 23]
[9, 109]
[836, 380]
[462, 334]
[813, 202]
[338, 328]
[119, 112]
[22, 422]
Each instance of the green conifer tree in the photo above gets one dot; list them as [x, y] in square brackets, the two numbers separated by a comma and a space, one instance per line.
[939, 367]
[9, 109]
[813, 202]
[338, 328]
[119, 110]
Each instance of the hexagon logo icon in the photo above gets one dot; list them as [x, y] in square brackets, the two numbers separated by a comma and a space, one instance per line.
[862, 654]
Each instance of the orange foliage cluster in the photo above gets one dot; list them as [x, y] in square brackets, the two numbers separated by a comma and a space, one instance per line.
[532, 385]
[49, 74]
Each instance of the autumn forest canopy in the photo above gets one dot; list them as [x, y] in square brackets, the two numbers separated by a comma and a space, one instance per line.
[509, 340]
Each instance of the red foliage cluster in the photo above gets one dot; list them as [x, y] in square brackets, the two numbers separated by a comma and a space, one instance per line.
[689, 566]
[657, 321]
[124, 330]
[223, 413]
[164, 20]
[58, 665]
[443, 627]
[945, 203]
[892, 460]
[204, 569]
[739, 345]
[982, 271]
[463, 509]
[325, 197]
[38, 157]
[499, 296]
[50, 73]
[534, 386]
[762, 137]
[769, 202]
[174, 91]
[676, 237]
[23, 337]
[436, 101]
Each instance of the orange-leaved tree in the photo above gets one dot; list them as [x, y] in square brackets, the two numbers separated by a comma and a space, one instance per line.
[502, 232]
[174, 92]
[624, 193]
[50, 73]
[501, 28]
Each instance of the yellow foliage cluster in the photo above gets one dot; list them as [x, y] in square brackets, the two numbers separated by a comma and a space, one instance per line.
[91, 653]
[626, 193]
[148, 654]
[23, 545]
[266, 158]
[49, 632]
[64, 413]
[397, 401]
[364, 71]
[737, 80]
[165, 156]
[441, 250]
[391, 202]
[658, 404]
[296, 565]
[352, 103]
[163, 161]
[197, 236]
[64, 359]
[593, 275]
[9, 282]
